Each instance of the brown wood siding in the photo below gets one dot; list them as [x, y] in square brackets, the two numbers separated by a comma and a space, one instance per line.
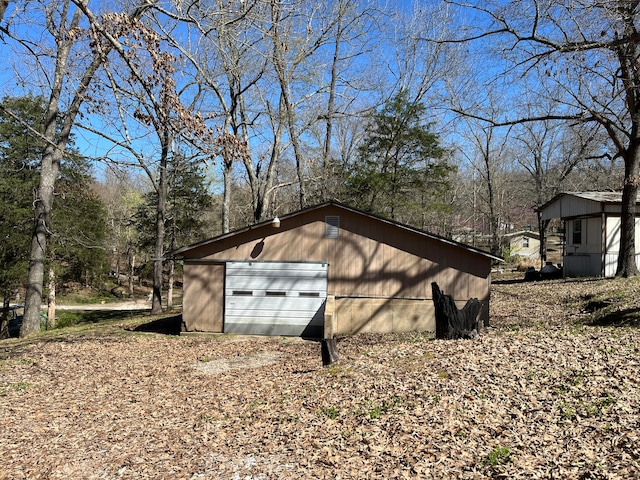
[361, 315]
[369, 259]
[203, 296]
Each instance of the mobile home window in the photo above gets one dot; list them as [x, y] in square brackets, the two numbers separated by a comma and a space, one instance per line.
[577, 232]
[525, 242]
[331, 227]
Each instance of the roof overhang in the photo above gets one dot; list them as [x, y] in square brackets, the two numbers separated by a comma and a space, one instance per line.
[283, 219]
[560, 206]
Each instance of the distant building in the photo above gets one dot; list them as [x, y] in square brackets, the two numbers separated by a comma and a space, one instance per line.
[525, 244]
[592, 231]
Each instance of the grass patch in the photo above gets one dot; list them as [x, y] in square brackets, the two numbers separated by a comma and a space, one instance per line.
[83, 298]
[614, 304]
[68, 318]
[17, 387]
[498, 456]
[330, 412]
[76, 294]
[97, 323]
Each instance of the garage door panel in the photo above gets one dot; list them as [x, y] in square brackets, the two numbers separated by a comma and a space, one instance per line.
[300, 326]
[307, 331]
[276, 284]
[273, 307]
[291, 320]
[276, 276]
[275, 298]
[250, 267]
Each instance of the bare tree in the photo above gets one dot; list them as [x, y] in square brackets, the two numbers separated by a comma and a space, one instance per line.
[540, 152]
[334, 108]
[487, 155]
[120, 193]
[235, 38]
[585, 57]
[77, 53]
[228, 59]
[299, 33]
[147, 100]
[265, 69]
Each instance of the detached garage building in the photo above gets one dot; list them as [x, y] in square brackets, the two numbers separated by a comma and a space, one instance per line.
[324, 271]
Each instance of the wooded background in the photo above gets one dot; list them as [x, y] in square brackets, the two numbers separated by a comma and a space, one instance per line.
[129, 129]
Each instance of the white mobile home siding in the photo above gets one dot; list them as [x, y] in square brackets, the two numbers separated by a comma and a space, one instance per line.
[612, 235]
[571, 207]
[597, 253]
[584, 258]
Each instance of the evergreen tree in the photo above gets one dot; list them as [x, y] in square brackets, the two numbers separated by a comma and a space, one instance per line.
[78, 220]
[401, 171]
[185, 222]
[19, 156]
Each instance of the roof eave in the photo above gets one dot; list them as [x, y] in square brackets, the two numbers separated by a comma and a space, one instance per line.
[180, 251]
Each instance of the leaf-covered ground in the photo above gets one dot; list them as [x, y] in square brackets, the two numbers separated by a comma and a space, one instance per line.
[543, 393]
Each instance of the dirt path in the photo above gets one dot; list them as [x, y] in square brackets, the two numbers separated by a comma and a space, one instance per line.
[125, 305]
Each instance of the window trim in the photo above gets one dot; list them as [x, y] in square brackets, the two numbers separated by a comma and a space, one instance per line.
[577, 231]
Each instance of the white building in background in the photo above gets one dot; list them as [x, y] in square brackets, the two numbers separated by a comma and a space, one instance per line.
[592, 231]
[525, 244]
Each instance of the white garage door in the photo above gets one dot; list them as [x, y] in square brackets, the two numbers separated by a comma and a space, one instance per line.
[275, 298]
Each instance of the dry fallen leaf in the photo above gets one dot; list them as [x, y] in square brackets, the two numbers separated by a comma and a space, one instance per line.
[538, 395]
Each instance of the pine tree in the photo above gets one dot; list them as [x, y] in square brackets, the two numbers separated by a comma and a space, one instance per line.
[77, 225]
[19, 151]
[401, 170]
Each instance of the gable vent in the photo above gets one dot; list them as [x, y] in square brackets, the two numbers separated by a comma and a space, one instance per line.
[331, 226]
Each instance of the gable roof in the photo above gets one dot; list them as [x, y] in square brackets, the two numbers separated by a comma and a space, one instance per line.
[576, 204]
[523, 233]
[598, 197]
[393, 224]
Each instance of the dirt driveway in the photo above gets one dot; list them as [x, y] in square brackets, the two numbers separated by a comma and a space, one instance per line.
[124, 305]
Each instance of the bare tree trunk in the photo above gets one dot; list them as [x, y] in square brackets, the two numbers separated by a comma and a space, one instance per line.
[326, 156]
[117, 272]
[170, 285]
[163, 193]
[51, 300]
[44, 202]
[226, 194]
[280, 66]
[542, 232]
[262, 191]
[156, 298]
[52, 155]
[302, 191]
[131, 274]
[4, 317]
[494, 219]
[627, 256]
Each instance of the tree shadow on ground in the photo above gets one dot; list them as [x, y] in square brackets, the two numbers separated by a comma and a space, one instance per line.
[166, 326]
[508, 281]
[97, 316]
[629, 317]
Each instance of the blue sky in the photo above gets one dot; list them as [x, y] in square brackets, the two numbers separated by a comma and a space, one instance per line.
[23, 80]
